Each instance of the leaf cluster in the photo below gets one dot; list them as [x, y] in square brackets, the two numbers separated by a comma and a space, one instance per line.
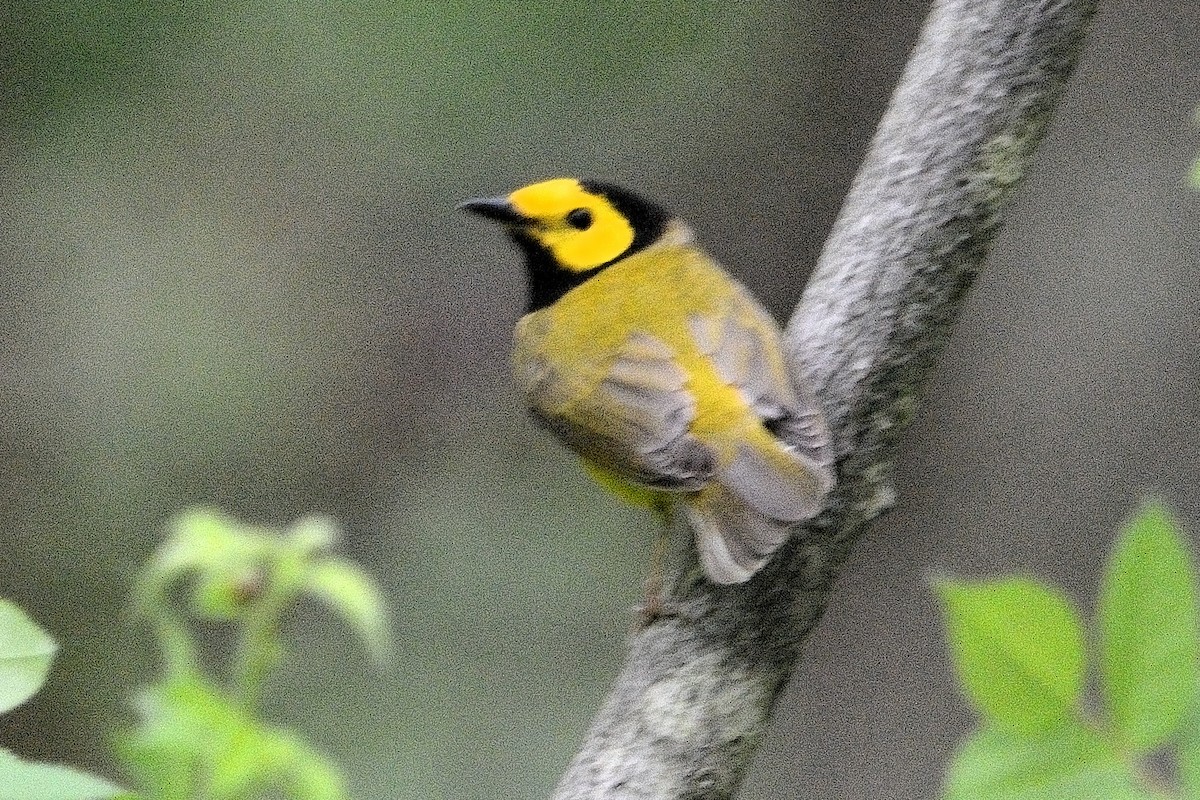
[1023, 656]
[26, 652]
[199, 734]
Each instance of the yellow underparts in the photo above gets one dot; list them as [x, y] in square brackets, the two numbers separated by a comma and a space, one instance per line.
[640, 496]
[656, 292]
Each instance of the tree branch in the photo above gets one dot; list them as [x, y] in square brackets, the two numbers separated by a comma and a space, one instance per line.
[694, 696]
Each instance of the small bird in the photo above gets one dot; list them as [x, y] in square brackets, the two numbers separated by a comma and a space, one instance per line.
[661, 371]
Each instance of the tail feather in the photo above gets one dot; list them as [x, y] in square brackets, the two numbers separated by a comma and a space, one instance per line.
[734, 540]
[779, 483]
[746, 513]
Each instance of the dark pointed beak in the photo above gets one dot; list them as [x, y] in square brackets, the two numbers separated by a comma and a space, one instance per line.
[497, 209]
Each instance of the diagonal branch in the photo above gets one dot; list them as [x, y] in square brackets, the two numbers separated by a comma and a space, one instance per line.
[693, 698]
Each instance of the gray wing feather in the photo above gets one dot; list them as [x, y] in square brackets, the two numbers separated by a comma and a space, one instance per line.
[734, 540]
[636, 421]
[745, 514]
[739, 355]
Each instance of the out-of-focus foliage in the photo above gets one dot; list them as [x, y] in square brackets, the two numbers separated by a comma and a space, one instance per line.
[1196, 166]
[200, 733]
[1018, 646]
[195, 741]
[1148, 629]
[25, 655]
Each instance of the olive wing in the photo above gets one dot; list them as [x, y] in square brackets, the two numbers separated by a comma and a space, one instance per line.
[787, 480]
[634, 422]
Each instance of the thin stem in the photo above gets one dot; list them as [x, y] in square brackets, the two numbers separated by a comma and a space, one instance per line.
[174, 641]
[260, 646]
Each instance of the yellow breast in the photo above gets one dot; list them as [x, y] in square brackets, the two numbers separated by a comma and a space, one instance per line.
[656, 291]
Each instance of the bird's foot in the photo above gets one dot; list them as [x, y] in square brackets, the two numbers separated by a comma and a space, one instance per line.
[656, 605]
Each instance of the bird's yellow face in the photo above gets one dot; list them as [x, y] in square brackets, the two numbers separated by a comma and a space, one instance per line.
[582, 230]
[570, 230]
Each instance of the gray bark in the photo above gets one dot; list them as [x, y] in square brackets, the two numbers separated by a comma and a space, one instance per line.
[693, 698]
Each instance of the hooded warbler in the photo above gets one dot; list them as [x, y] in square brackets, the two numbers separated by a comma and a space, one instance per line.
[661, 371]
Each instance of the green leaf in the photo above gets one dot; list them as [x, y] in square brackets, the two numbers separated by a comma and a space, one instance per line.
[25, 654]
[26, 780]
[225, 558]
[198, 536]
[1188, 757]
[1148, 620]
[1018, 647]
[190, 728]
[313, 534]
[225, 595]
[1067, 763]
[265, 757]
[356, 597]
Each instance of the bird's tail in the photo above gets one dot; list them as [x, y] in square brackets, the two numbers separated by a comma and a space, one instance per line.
[747, 513]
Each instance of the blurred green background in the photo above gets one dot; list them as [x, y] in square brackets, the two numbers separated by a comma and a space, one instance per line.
[231, 274]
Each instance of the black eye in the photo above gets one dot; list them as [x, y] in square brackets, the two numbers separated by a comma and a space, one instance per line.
[580, 218]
